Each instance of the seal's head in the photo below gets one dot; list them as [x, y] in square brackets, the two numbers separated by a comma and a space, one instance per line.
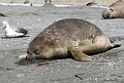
[108, 13]
[44, 51]
[115, 10]
[44, 46]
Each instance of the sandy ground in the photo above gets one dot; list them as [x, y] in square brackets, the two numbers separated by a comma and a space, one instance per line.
[106, 67]
[74, 2]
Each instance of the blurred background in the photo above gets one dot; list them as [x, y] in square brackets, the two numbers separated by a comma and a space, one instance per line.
[76, 2]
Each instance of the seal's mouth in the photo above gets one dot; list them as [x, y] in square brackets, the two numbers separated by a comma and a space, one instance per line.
[30, 56]
[33, 56]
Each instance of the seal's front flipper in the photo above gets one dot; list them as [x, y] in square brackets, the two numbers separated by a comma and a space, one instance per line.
[78, 55]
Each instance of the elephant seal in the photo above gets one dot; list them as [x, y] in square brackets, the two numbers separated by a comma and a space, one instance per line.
[116, 10]
[69, 37]
[91, 3]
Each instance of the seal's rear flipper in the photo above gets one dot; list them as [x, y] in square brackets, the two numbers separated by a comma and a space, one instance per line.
[78, 55]
[116, 45]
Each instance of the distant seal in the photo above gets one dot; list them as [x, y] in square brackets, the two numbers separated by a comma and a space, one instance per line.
[91, 3]
[69, 37]
[12, 31]
[2, 15]
[26, 1]
[116, 10]
[46, 1]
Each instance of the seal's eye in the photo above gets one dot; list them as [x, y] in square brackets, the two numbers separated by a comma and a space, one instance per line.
[41, 47]
[111, 10]
[27, 52]
[36, 52]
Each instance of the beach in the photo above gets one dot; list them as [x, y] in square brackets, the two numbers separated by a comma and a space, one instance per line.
[106, 67]
[73, 2]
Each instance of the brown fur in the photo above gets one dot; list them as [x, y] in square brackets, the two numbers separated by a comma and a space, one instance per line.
[116, 10]
[69, 37]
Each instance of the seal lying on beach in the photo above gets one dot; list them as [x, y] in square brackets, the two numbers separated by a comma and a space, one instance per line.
[69, 37]
[116, 10]
[91, 3]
